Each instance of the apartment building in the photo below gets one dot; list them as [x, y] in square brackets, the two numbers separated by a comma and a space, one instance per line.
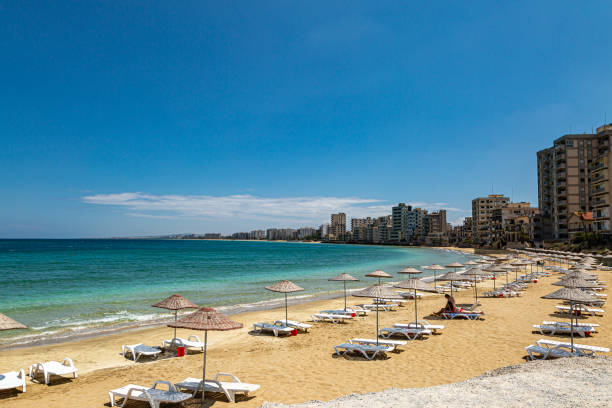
[511, 223]
[601, 175]
[337, 229]
[565, 179]
[482, 210]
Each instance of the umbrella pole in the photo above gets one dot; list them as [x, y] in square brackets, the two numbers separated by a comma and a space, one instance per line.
[494, 279]
[572, 324]
[435, 283]
[377, 303]
[174, 338]
[344, 295]
[286, 313]
[416, 316]
[476, 290]
[204, 368]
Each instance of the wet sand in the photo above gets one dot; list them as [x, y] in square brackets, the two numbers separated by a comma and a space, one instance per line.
[302, 368]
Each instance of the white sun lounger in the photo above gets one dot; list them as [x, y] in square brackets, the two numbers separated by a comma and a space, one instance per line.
[468, 315]
[50, 368]
[138, 350]
[333, 318]
[384, 307]
[192, 341]
[410, 333]
[369, 352]
[553, 329]
[593, 325]
[151, 395]
[421, 324]
[553, 348]
[274, 328]
[13, 379]
[580, 310]
[229, 388]
[410, 295]
[296, 325]
[372, 342]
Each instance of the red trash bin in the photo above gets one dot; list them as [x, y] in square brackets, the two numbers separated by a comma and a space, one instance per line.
[294, 332]
[180, 351]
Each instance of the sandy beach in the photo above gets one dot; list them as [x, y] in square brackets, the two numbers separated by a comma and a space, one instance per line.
[302, 368]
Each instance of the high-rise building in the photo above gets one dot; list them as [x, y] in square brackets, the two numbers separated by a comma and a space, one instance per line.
[565, 179]
[337, 229]
[408, 224]
[601, 176]
[324, 230]
[482, 210]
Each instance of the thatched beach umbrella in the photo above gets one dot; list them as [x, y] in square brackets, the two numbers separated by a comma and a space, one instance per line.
[475, 273]
[379, 274]
[452, 277]
[470, 263]
[285, 287]
[206, 319]
[344, 277]
[574, 296]
[6, 323]
[520, 263]
[414, 284]
[410, 271]
[508, 268]
[434, 268]
[176, 303]
[377, 291]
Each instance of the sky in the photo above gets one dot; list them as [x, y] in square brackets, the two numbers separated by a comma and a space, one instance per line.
[141, 118]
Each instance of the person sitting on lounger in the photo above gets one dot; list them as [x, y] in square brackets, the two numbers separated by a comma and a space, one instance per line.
[450, 305]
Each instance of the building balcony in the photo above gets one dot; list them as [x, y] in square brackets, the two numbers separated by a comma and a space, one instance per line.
[601, 164]
[599, 190]
[601, 201]
[599, 176]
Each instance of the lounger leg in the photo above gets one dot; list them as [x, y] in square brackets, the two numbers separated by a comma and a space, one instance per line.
[112, 399]
[232, 396]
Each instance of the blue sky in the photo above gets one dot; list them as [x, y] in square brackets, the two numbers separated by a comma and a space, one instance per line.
[139, 117]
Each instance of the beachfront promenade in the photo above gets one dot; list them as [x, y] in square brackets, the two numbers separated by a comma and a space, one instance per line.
[301, 368]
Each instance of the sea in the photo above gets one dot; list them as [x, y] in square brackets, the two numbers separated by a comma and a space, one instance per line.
[83, 287]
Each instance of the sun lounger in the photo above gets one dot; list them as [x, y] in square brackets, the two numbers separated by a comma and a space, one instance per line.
[536, 352]
[557, 328]
[274, 328]
[383, 301]
[359, 311]
[410, 295]
[410, 333]
[580, 310]
[347, 312]
[192, 341]
[369, 352]
[468, 316]
[593, 325]
[584, 349]
[50, 368]
[384, 307]
[229, 388]
[373, 342]
[138, 350]
[13, 379]
[333, 318]
[151, 395]
[296, 325]
[421, 324]
[500, 293]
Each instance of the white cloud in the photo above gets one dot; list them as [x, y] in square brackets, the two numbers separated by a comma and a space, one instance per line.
[246, 207]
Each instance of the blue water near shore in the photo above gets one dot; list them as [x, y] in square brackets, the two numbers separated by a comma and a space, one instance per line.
[66, 286]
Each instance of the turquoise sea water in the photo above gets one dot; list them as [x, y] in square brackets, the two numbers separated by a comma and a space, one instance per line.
[66, 286]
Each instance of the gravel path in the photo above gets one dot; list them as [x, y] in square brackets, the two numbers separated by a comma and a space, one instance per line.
[568, 382]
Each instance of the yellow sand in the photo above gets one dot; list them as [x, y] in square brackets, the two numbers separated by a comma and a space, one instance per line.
[302, 368]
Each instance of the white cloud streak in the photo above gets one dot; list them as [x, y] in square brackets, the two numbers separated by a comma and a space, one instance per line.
[246, 207]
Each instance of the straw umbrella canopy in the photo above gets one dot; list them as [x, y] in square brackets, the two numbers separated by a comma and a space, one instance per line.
[285, 287]
[344, 277]
[206, 319]
[6, 323]
[452, 277]
[573, 295]
[414, 284]
[410, 270]
[454, 265]
[508, 268]
[576, 283]
[579, 273]
[176, 303]
[474, 273]
[434, 268]
[520, 263]
[377, 291]
[471, 263]
[379, 274]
